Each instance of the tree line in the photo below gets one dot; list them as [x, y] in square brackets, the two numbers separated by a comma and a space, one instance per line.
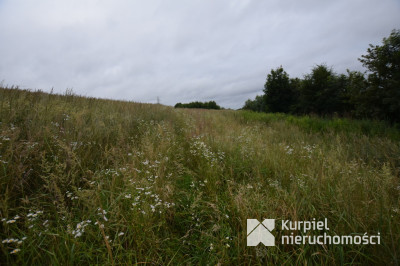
[202, 105]
[373, 94]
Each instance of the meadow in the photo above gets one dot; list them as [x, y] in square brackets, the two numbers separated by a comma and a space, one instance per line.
[95, 181]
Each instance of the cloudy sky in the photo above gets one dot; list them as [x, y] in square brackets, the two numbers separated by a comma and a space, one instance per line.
[180, 50]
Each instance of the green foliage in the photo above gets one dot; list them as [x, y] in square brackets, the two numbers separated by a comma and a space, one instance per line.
[360, 105]
[201, 105]
[383, 90]
[256, 105]
[279, 95]
[323, 92]
[315, 124]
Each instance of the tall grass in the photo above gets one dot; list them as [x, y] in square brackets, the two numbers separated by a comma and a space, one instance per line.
[317, 124]
[94, 181]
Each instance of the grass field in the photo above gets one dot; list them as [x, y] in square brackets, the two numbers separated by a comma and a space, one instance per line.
[91, 181]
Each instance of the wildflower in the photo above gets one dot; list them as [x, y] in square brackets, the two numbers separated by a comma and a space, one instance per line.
[121, 234]
[128, 196]
[15, 251]
[211, 246]
[11, 221]
[24, 238]
[100, 225]
[227, 245]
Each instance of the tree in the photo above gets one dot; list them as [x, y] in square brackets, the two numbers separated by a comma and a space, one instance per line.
[197, 104]
[279, 96]
[383, 64]
[322, 91]
[257, 105]
[357, 94]
[295, 85]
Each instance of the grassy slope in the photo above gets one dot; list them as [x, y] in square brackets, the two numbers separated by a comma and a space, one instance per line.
[180, 184]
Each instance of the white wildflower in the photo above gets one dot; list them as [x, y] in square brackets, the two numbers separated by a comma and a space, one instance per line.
[15, 251]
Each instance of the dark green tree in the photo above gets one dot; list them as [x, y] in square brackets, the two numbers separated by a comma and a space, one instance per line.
[197, 104]
[279, 96]
[357, 95]
[322, 92]
[295, 85]
[383, 64]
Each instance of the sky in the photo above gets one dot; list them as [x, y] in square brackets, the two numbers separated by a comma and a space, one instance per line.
[182, 51]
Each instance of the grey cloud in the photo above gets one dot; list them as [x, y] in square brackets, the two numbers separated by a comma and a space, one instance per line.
[182, 51]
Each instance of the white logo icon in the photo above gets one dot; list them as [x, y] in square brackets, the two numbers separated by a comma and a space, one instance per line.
[260, 232]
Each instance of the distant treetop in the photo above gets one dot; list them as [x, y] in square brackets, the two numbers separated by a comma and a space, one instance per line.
[205, 105]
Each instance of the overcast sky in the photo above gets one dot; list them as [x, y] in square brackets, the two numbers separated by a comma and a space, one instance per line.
[182, 50]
